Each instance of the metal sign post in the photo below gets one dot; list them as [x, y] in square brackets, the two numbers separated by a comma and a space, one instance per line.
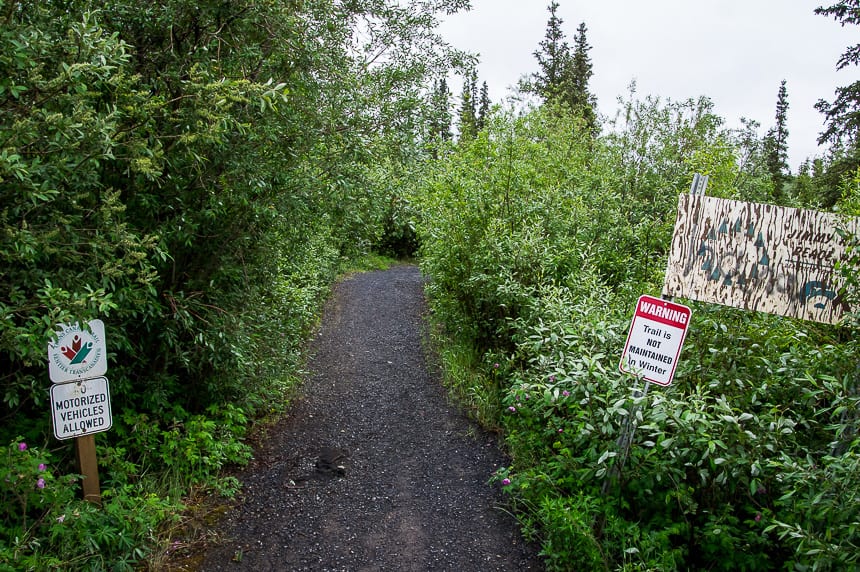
[651, 352]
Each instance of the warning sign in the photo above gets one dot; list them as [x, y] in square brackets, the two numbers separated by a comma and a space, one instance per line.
[655, 338]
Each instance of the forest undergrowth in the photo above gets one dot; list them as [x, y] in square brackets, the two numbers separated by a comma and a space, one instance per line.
[538, 241]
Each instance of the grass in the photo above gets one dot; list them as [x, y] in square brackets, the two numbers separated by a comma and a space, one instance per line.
[368, 263]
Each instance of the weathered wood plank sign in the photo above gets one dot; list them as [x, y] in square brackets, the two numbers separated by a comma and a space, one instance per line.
[758, 257]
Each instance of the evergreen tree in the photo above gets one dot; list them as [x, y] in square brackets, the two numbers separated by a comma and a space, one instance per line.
[441, 109]
[577, 78]
[468, 116]
[563, 77]
[483, 106]
[842, 116]
[553, 58]
[807, 185]
[776, 144]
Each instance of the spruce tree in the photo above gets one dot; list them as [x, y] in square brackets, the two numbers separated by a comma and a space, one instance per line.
[483, 106]
[842, 115]
[441, 110]
[553, 58]
[468, 116]
[563, 77]
[776, 144]
[577, 94]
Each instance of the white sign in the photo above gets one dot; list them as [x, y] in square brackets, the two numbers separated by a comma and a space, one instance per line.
[655, 338]
[81, 407]
[78, 353]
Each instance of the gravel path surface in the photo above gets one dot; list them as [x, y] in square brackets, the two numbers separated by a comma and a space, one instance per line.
[373, 469]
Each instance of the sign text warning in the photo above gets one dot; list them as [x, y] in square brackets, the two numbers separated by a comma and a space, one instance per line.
[655, 338]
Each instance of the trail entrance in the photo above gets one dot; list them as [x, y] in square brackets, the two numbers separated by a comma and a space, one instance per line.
[373, 469]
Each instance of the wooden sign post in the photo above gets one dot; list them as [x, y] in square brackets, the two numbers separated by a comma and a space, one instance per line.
[85, 451]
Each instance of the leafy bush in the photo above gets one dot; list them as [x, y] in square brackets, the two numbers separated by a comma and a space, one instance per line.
[538, 241]
[194, 174]
[43, 526]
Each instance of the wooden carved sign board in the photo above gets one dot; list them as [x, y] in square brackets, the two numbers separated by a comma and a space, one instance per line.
[758, 257]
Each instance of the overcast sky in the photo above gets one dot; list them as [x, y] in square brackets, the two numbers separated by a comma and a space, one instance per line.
[734, 51]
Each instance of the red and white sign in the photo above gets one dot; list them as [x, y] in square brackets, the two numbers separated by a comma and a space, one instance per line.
[655, 338]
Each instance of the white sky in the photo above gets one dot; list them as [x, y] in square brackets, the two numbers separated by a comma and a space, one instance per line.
[734, 51]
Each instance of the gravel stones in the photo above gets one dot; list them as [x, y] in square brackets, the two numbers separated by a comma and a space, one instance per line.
[373, 469]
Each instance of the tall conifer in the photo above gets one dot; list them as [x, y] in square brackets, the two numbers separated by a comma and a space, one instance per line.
[564, 75]
[441, 110]
[776, 144]
[468, 115]
[842, 115]
[577, 94]
[483, 106]
[553, 58]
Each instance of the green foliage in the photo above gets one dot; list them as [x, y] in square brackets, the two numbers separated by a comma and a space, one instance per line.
[563, 77]
[195, 174]
[538, 242]
[28, 488]
[44, 527]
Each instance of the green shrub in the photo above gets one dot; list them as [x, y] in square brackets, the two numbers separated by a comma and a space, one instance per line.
[194, 174]
[44, 527]
[538, 242]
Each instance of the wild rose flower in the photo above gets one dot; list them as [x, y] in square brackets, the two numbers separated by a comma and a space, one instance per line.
[758, 517]
[506, 481]
[552, 379]
[22, 446]
[512, 409]
[42, 466]
[495, 366]
[40, 483]
[566, 393]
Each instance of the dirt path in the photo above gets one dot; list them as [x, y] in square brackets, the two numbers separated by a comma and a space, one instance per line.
[373, 469]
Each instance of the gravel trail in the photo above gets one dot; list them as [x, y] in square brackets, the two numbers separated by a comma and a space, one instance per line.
[373, 469]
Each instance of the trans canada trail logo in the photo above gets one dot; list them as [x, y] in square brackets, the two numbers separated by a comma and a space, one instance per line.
[78, 353]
